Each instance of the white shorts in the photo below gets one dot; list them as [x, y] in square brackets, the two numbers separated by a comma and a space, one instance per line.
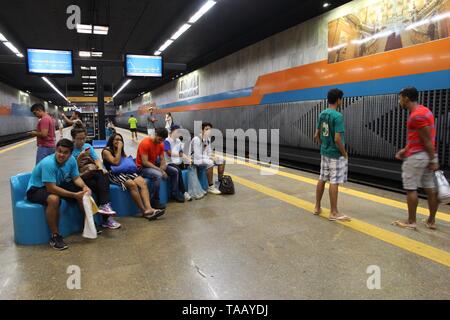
[415, 172]
[333, 170]
[209, 163]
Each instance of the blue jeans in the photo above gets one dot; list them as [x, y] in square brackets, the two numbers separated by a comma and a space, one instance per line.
[156, 176]
[42, 152]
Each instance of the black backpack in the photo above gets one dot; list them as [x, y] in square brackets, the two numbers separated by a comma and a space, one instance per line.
[226, 185]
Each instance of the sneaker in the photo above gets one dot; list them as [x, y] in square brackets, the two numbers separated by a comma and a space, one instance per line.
[106, 210]
[57, 242]
[99, 231]
[157, 205]
[157, 213]
[111, 224]
[178, 198]
[187, 196]
[212, 189]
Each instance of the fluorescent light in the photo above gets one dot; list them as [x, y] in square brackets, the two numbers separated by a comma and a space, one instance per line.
[54, 88]
[157, 53]
[97, 53]
[101, 30]
[19, 55]
[89, 88]
[326, 4]
[180, 31]
[205, 8]
[11, 47]
[165, 45]
[84, 68]
[122, 87]
[84, 54]
[2, 38]
[93, 68]
[88, 83]
[84, 28]
[93, 77]
[85, 77]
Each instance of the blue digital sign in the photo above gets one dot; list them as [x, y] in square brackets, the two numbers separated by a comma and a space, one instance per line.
[41, 61]
[143, 66]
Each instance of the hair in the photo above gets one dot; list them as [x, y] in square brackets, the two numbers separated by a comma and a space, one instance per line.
[37, 106]
[334, 95]
[110, 144]
[77, 128]
[66, 143]
[206, 124]
[411, 93]
[78, 113]
[169, 114]
[161, 132]
[131, 115]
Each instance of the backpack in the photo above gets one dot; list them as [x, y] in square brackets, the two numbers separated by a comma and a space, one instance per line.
[226, 185]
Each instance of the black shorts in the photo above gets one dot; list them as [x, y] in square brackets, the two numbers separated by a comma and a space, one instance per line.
[40, 195]
[133, 130]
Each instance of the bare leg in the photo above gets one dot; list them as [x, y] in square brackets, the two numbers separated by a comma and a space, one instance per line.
[52, 212]
[220, 171]
[433, 204]
[210, 175]
[334, 189]
[134, 191]
[319, 194]
[413, 201]
[145, 195]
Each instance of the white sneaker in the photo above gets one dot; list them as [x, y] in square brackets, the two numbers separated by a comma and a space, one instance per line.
[187, 197]
[212, 189]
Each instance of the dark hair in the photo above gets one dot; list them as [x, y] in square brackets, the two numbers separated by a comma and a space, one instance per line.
[131, 115]
[110, 144]
[66, 143]
[411, 93]
[37, 106]
[161, 132]
[78, 127]
[334, 95]
[206, 124]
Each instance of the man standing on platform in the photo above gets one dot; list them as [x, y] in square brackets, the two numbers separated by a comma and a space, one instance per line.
[334, 159]
[419, 158]
[45, 132]
[133, 127]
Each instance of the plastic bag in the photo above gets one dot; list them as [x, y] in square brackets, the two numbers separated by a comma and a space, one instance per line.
[194, 187]
[443, 187]
[89, 230]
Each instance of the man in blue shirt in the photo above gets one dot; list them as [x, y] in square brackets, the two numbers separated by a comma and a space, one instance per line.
[334, 159]
[56, 177]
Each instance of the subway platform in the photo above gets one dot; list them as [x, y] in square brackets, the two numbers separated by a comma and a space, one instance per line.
[261, 243]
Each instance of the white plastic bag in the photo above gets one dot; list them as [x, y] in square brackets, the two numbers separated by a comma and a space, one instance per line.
[89, 230]
[443, 187]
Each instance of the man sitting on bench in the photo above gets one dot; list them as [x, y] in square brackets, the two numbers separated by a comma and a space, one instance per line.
[56, 177]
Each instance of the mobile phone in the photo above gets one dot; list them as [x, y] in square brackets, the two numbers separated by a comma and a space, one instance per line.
[87, 149]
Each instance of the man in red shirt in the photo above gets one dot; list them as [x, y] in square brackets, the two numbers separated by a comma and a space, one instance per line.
[150, 159]
[419, 158]
[45, 132]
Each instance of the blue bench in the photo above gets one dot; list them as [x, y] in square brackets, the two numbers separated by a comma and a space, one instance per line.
[30, 222]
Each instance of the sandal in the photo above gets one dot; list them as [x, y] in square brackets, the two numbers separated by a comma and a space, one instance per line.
[316, 213]
[431, 226]
[339, 218]
[405, 225]
[156, 213]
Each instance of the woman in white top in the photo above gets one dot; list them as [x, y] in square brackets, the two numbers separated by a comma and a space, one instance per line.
[169, 121]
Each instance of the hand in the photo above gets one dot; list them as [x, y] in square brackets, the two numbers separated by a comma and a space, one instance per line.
[104, 170]
[119, 145]
[87, 191]
[433, 166]
[400, 154]
[79, 196]
[33, 133]
[164, 174]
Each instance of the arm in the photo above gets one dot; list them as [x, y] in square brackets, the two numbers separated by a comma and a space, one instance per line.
[114, 160]
[425, 137]
[67, 120]
[317, 136]
[340, 145]
[148, 164]
[54, 189]
[40, 134]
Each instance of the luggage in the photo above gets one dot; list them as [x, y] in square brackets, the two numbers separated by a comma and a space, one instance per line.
[226, 185]
[443, 187]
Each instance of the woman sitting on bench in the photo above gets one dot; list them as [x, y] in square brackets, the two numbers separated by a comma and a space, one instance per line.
[112, 156]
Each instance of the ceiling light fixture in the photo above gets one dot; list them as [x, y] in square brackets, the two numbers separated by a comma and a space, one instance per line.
[97, 53]
[3, 38]
[205, 8]
[84, 28]
[180, 31]
[101, 30]
[84, 54]
[122, 87]
[326, 4]
[54, 88]
[165, 45]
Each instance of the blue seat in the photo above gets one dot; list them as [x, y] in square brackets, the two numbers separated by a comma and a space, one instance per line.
[30, 221]
[99, 144]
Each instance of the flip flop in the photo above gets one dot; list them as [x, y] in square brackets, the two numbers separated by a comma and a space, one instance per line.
[316, 213]
[156, 214]
[404, 225]
[431, 226]
[340, 218]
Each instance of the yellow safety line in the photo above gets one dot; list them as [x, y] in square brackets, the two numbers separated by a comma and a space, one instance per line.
[366, 196]
[16, 146]
[419, 248]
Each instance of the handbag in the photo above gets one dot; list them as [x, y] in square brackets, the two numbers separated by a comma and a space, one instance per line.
[443, 187]
[86, 167]
[226, 185]
[127, 165]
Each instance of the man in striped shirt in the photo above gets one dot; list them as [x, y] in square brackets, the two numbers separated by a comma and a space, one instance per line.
[419, 158]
